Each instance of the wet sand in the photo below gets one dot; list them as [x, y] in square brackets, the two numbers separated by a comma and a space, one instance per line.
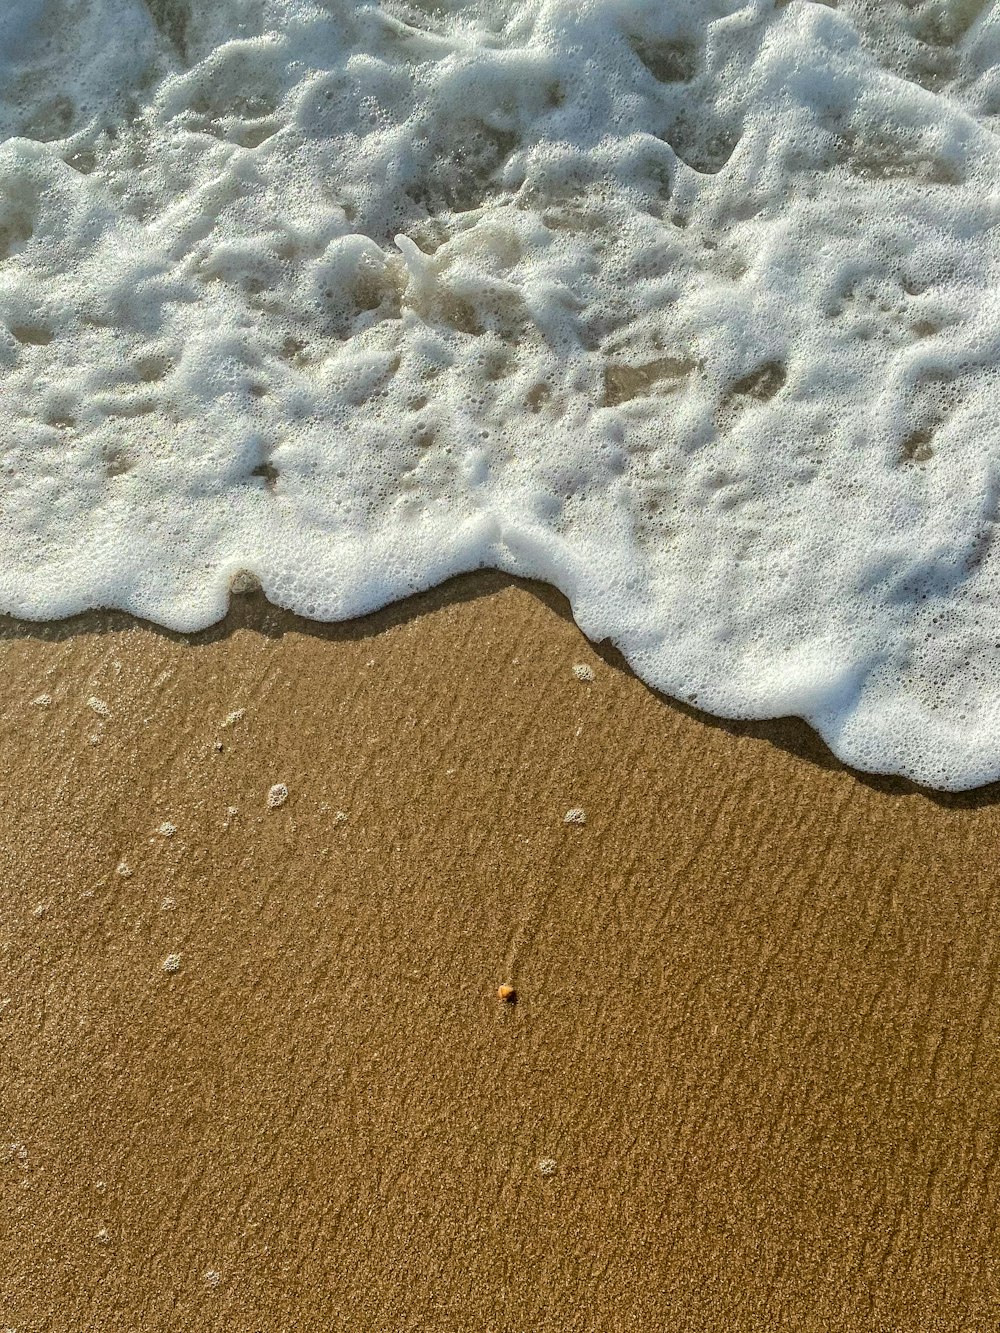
[254, 1072]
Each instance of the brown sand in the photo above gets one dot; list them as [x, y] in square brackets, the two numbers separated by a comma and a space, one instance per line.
[750, 1081]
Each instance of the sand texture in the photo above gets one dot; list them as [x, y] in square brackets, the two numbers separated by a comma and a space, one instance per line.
[254, 1073]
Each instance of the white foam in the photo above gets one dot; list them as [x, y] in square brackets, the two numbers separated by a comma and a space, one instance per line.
[688, 308]
[277, 796]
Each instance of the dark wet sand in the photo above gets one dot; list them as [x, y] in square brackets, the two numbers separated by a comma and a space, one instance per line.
[757, 1026]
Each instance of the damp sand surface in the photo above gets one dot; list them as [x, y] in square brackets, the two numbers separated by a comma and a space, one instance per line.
[260, 1066]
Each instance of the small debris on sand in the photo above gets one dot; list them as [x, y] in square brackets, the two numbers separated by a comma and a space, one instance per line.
[167, 829]
[167, 905]
[507, 993]
[98, 706]
[232, 718]
[547, 1166]
[575, 816]
[172, 962]
[43, 701]
[102, 1237]
[340, 816]
[583, 672]
[124, 869]
[277, 796]
[217, 747]
[244, 582]
[212, 1277]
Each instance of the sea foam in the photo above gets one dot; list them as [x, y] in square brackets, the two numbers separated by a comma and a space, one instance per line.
[688, 308]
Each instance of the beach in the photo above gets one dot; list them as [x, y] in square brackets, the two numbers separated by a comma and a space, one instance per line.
[441, 961]
[261, 886]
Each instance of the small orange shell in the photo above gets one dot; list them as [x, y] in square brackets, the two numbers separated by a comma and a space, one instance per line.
[506, 993]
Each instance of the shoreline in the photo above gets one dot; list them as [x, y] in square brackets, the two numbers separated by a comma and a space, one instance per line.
[251, 610]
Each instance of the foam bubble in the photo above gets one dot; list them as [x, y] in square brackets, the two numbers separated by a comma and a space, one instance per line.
[277, 796]
[689, 309]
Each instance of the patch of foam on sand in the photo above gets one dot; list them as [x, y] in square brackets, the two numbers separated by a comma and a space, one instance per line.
[690, 309]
